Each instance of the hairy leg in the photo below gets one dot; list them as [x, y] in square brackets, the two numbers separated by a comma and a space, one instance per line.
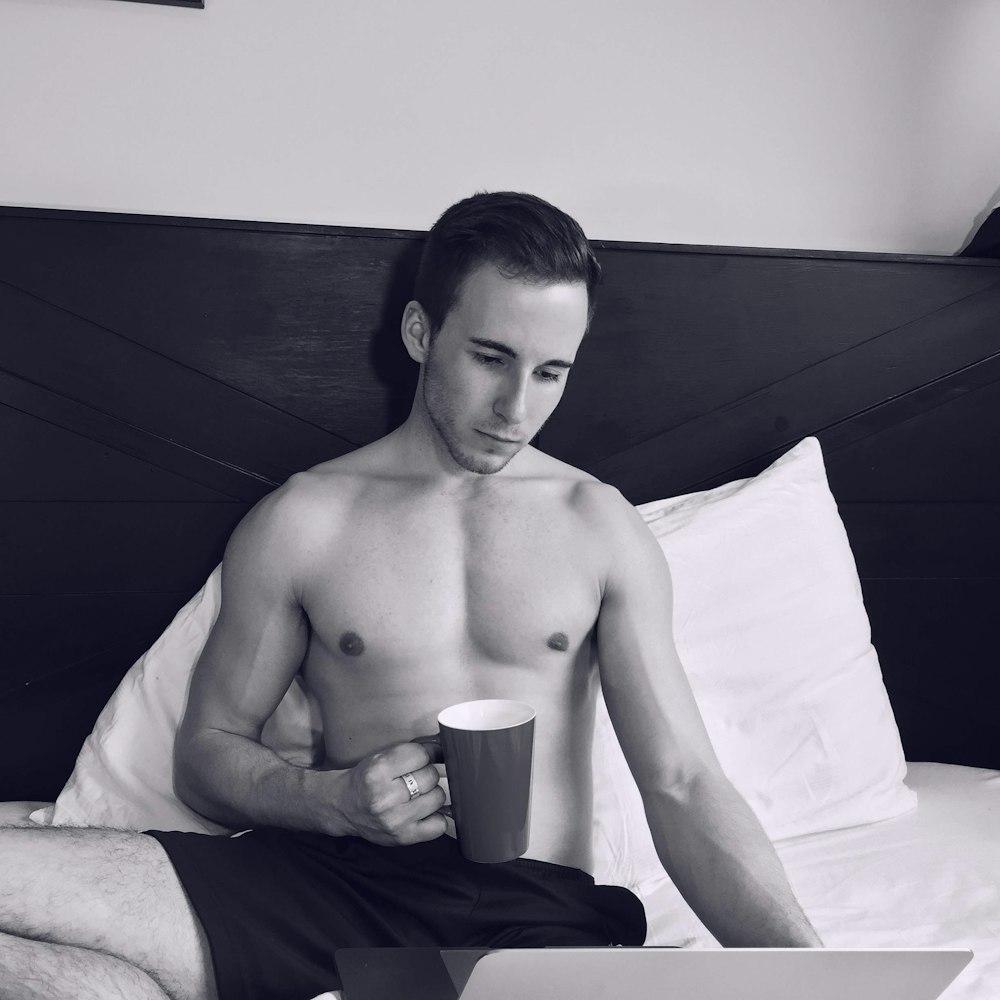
[107, 891]
[34, 970]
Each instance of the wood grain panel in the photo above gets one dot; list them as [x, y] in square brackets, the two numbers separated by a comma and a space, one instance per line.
[680, 335]
[943, 432]
[51, 634]
[924, 540]
[937, 645]
[945, 453]
[91, 378]
[122, 435]
[46, 722]
[316, 309]
[42, 461]
[717, 445]
[81, 548]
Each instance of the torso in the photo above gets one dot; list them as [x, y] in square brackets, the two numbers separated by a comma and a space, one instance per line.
[417, 600]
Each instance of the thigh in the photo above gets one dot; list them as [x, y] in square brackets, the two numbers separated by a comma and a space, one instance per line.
[107, 890]
[277, 905]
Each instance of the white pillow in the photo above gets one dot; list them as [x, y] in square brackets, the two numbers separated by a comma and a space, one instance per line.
[124, 774]
[772, 631]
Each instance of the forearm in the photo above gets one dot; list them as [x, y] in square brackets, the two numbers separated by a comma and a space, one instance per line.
[723, 863]
[240, 783]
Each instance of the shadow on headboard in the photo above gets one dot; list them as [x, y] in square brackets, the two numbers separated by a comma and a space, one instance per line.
[159, 375]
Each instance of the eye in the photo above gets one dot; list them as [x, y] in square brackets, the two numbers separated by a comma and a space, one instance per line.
[546, 376]
[488, 359]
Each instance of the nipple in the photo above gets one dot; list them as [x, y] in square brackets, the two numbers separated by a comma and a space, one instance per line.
[558, 641]
[352, 644]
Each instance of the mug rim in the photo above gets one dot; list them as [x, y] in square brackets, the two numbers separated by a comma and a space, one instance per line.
[521, 712]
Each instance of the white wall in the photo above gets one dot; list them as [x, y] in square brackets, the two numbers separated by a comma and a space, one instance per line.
[837, 124]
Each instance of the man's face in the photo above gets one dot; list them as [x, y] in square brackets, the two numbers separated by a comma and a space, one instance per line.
[498, 365]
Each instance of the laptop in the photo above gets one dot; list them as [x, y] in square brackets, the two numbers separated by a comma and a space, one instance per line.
[648, 973]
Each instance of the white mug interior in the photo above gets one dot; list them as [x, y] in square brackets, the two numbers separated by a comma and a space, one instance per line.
[489, 713]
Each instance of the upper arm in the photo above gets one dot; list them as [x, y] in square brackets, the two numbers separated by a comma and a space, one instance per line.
[647, 692]
[259, 639]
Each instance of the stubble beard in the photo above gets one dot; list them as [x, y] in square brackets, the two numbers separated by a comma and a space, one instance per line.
[441, 416]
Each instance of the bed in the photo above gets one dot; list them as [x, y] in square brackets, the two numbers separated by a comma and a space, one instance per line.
[812, 437]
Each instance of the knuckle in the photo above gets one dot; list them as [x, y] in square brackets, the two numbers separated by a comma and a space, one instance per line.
[379, 828]
[368, 795]
[383, 808]
[373, 779]
[371, 797]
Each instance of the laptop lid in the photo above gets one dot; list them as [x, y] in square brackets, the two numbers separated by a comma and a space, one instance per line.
[648, 973]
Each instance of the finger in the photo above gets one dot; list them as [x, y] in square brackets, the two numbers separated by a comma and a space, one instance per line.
[430, 828]
[411, 785]
[403, 757]
[410, 818]
[420, 782]
[397, 820]
[425, 805]
[427, 777]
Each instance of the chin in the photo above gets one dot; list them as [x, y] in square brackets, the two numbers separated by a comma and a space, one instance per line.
[481, 465]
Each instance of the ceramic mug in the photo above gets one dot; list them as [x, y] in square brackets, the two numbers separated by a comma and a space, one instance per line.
[487, 748]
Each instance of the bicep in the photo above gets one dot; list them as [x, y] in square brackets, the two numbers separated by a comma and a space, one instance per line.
[258, 641]
[649, 697]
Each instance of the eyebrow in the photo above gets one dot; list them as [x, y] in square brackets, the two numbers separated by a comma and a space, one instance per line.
[495, 345]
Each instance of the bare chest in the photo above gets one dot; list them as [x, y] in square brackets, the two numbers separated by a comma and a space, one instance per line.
[504, 584]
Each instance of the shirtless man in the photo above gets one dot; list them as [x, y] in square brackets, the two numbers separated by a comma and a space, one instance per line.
[446, 562]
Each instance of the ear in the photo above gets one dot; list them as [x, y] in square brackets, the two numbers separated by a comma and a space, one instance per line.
[416, 332]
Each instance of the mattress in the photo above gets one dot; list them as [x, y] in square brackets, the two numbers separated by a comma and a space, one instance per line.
[929, 878]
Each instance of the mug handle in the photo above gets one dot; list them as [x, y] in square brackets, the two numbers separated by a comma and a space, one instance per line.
[433, 745]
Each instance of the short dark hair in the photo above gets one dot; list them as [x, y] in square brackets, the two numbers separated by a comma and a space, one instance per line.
[522, 235]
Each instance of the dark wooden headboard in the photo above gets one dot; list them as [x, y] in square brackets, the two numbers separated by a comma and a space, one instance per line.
[159, 375]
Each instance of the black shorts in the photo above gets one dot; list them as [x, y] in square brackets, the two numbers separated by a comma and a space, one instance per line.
[276, 905]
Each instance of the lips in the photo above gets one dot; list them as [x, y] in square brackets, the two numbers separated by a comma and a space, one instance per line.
[502, 440]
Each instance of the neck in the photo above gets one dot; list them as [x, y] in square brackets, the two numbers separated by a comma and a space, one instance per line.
[421, 453]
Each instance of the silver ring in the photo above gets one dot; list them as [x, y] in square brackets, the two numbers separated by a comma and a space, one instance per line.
[411, 784]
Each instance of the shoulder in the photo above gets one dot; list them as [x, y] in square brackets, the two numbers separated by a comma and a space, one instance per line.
[285, 528]
[606, 511]
[601, 505]
[610, 524]
[630, 555]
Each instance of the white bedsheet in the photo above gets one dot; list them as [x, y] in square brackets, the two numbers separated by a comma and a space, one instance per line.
[930, 878]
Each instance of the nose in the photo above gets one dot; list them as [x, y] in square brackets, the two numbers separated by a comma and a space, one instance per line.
[511, 405]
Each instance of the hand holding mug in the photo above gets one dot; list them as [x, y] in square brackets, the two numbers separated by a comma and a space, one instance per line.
[394, 797]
